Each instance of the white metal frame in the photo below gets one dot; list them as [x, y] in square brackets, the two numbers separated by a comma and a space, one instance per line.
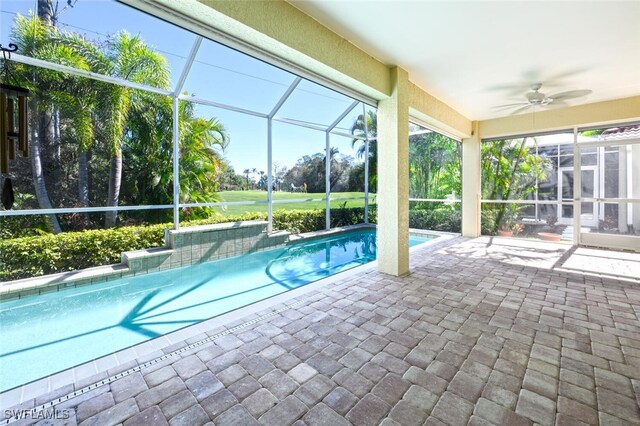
[426, 130]
[614, 241]
[366, 164]
[273, 112]
[181, 19]
[583, 221]
[327, 164]
[177, 96]
[592, 238]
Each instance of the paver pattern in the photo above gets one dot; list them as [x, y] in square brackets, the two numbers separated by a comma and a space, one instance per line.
[463, 339]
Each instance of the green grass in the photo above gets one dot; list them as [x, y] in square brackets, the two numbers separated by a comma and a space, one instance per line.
[231, 196]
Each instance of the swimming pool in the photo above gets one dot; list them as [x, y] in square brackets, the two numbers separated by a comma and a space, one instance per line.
[41, 335]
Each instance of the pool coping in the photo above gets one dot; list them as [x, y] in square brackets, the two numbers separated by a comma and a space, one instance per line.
[100, 370]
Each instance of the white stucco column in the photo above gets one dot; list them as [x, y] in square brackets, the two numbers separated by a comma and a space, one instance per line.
[393, 177]
[471, 189]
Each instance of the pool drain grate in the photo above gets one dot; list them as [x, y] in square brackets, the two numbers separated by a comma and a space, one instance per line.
[40, 409]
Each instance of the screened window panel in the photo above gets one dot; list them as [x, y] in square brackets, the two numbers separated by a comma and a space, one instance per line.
[229, 77]
[125, 30]
[314, 104]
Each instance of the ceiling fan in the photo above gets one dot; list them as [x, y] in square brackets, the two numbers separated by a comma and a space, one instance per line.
[535, 98]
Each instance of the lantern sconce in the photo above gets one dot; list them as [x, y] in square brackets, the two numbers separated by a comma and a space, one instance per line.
[13, 104]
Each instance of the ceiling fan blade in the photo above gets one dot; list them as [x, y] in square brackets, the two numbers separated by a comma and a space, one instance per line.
[572, 94]
[519, 110]
[557, 104]
[510, 105]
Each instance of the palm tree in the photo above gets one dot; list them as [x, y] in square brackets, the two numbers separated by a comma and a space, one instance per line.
[254, 171]
[201, 161]
[32, 35]
[78, 100]
[358, 129]
[128, 57]
[246, 174]
[335, 173]
[148, 148]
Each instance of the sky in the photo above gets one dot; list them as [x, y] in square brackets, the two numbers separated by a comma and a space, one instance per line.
[218, 74]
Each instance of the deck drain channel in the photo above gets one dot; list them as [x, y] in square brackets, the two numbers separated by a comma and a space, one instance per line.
[41, 408]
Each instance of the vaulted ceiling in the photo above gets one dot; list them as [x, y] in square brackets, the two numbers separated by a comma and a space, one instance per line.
[477, 55]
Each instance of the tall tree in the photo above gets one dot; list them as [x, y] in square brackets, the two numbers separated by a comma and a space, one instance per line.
[434, 166]
[78, 101]
[246, 174]
[358, 129]
[510, 170]
[148, 147]
[31, 35]
[127, 57]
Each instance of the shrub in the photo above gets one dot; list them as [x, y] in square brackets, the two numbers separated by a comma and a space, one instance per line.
[488, 221]
[441, 219]
[48, 254]
[23, 226]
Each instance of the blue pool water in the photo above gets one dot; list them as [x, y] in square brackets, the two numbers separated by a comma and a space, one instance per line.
[41, 335]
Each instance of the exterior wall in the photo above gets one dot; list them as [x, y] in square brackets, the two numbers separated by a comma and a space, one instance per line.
[430, 110]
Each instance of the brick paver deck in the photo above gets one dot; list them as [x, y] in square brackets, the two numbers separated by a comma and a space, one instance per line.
[464, 339]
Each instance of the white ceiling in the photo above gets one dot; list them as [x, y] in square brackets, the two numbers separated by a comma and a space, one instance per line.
[476, 55]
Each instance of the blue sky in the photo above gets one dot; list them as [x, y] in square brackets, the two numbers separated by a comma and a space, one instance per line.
[219, 74]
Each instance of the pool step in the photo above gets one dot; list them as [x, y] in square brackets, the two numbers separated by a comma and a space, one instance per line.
[146, 259]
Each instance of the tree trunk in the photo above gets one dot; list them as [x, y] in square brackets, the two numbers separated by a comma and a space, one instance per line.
[45, 11]
[83, 178]
[115, 179]
[56, 173]
[41, 124]
[36, 167]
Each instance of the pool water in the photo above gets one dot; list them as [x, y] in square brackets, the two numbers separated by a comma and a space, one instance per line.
[42, 335]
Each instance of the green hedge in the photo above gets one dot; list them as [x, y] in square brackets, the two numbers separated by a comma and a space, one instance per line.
[47, 254]
[443, 219]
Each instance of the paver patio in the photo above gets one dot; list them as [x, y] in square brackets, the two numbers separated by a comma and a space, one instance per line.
[466, 338]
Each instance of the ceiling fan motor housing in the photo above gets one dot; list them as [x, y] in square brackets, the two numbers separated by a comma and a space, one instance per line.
[537, 98]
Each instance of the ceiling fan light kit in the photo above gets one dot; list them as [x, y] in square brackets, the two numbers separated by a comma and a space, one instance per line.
[537, 98]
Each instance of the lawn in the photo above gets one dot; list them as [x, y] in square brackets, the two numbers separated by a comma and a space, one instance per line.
[232, 196]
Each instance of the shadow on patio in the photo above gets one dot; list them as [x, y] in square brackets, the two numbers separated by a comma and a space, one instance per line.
[552, 256]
